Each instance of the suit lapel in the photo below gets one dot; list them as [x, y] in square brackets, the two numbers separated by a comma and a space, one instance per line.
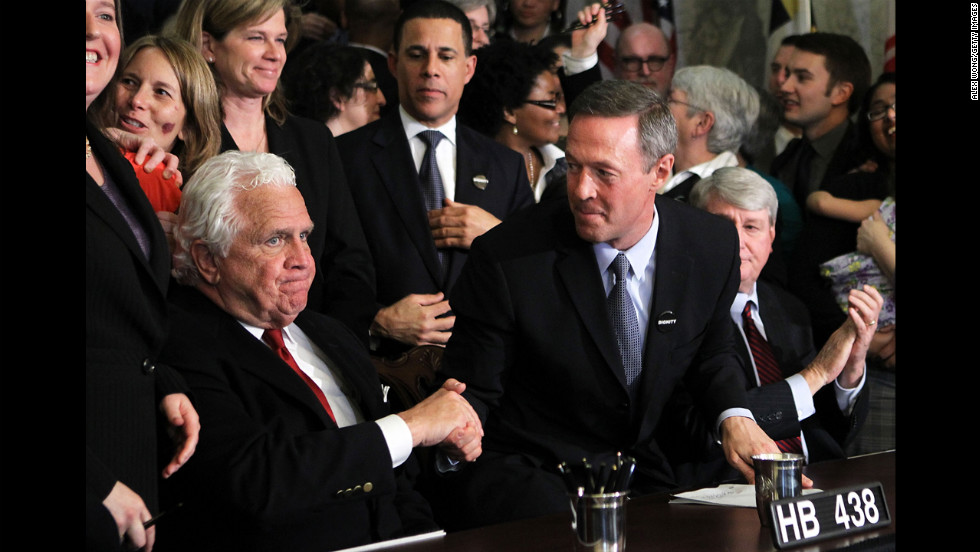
[255, 357]
[114, 165]
[398, 175]
[577, 269]
[673, 264]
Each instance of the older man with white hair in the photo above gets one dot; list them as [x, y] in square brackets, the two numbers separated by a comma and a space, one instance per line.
[715, 111]
[301, 452]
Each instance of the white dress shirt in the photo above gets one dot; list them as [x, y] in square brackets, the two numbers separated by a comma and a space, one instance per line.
[315, 364]
[445, 150]
[703, 170]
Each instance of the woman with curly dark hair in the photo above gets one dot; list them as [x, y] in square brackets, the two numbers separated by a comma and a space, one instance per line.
[334, 84]
[515, 98]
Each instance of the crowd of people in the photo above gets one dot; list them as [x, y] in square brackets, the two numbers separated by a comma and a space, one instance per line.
[671, 264]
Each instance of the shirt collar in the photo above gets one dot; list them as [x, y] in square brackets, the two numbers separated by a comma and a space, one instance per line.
[639, 255]
[257, 332]
[826, 144]
[738, 305]
[413, 127]
[703, 170]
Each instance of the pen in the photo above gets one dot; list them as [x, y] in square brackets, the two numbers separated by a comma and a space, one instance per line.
[153, 520]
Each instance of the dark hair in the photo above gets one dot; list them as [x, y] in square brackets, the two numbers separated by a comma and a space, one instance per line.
[319, 74]
[555, 25]
[846, 61]
[790, 40]
[505, 74]
[434, 9]
[620, 98]
[864, 125]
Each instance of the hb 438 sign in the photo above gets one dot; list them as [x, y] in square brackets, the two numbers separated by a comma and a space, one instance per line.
[833, 513]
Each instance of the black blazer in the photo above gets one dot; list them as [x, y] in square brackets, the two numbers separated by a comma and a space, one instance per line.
[848, 155]
[384, 183]
[535, 347]
[125, 328]
[344, 283]
[827, 432]
[272, 471]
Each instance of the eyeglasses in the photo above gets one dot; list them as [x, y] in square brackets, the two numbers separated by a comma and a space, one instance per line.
[880, 112]
[690, 106]
[653, 63]
[486, 29]
[370, 86]
[548, 104]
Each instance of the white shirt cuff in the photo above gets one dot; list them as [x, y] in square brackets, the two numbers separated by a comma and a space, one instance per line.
[847, 397]
[801, 396]
[744, 412]
[574, 66]
[398, 437]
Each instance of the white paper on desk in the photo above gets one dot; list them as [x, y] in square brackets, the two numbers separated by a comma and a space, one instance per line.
[739, 495]
[395, 542]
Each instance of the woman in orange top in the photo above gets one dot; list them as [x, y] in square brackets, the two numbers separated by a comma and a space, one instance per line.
[164, 90]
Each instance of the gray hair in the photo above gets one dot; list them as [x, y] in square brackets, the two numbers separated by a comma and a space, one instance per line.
[738, 187]
[620, 98]
[207, 205]
[467, 5]
[734, 103]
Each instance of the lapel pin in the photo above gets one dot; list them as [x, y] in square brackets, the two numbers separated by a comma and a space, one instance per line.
[666, 321]
[480, 181]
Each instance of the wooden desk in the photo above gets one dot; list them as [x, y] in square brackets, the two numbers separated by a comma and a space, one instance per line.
[653, 524]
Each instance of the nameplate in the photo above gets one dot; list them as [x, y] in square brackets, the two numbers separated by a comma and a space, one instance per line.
[829, 514]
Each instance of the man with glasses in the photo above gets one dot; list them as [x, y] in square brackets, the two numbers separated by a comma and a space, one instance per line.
[715, 111]
[644, 56]
[482, 14]
[422, 196]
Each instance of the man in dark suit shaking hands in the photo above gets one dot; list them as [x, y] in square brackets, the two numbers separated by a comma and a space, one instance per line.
[575, 322]
[422, 202]
[301, 451]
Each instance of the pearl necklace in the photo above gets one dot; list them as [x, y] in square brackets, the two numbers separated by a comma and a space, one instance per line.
[530, 164]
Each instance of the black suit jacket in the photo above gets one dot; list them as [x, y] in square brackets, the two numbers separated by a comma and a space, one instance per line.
[125, 327]
[272, 471]
[344, 283]
[385, 186]
[827, 432]
[848, 155]
[535, 347]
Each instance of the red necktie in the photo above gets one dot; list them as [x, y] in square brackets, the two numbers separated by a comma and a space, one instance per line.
[766, 367]
[273, 338]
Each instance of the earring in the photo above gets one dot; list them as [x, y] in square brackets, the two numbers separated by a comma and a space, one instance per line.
[210, 60]
[515, 130]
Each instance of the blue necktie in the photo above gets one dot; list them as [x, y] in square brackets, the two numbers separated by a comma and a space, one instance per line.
[432, 190]
[624, 322]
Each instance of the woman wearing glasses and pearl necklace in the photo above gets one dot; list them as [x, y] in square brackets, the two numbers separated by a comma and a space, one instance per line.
[515, 98]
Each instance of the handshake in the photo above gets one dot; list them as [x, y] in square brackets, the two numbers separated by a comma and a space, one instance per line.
[446, 419]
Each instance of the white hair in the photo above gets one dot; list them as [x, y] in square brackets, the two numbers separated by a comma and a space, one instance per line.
[207, 206]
